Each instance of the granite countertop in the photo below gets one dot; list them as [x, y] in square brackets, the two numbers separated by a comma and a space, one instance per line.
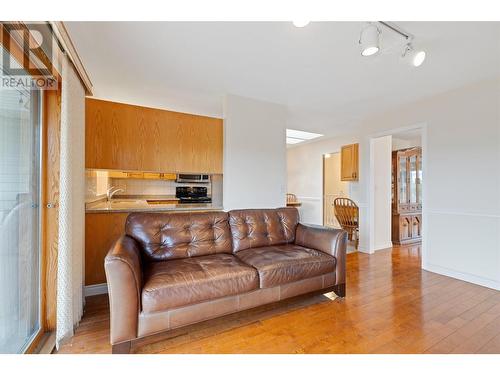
[141, 205]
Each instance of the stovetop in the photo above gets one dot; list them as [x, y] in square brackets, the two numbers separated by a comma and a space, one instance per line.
[192, 194]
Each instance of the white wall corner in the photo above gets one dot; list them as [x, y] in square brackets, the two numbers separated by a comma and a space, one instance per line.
[255, 164]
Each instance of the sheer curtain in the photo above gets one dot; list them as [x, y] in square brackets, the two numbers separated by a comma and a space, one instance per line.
[70, 261]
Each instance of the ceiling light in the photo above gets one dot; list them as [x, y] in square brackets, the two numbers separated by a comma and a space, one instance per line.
[416, 58]
[369, 40]
[300, 23]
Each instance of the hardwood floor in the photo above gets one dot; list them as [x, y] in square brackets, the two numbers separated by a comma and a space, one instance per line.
[392, 306]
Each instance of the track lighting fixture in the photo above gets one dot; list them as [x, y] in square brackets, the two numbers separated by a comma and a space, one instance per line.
[369, 40]
[414, 57]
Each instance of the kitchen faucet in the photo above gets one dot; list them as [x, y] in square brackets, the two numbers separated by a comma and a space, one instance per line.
[110, 192]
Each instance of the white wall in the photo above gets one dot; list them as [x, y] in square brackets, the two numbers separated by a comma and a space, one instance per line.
[461, 152]
[254, 153]
[380, 209]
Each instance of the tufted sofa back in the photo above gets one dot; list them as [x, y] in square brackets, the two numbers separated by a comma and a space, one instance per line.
[261, 227]
[165, 236]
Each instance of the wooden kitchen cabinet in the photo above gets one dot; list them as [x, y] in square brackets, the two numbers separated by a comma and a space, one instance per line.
[349, 161]
[128, 137]
[101, 232]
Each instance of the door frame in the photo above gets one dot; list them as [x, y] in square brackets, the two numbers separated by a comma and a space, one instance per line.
[423, 128]
[50, 123]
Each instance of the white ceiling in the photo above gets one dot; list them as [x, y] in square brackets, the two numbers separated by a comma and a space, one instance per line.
[410, 135]
[317, 71]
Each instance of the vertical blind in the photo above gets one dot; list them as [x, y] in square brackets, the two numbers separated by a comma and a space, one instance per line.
[70, 260]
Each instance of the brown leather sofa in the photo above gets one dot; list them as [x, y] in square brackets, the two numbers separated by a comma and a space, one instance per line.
[173, 269]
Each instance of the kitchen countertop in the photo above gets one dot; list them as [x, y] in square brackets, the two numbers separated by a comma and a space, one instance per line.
[140, 205]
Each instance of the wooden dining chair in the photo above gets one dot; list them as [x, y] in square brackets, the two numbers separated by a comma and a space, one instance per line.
[347, 214]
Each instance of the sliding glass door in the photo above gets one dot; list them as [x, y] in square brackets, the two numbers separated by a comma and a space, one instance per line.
[20, 172]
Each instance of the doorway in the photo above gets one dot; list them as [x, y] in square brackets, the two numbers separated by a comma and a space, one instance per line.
[396, 189]
[333, 187]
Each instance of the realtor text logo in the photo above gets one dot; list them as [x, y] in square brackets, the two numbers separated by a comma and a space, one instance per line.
[31, 70]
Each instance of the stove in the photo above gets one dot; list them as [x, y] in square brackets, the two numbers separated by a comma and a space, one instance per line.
[192, 194]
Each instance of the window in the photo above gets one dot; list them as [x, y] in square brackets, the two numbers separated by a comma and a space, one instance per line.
[20, 173]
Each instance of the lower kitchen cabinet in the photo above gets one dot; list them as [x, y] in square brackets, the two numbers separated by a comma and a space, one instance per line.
[101, 232]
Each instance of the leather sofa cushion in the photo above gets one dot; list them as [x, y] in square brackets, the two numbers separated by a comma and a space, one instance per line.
[256, 228]
[283, 264]
[164, 236]
[182, 282]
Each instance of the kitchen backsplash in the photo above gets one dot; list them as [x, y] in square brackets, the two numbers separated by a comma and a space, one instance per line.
[149, 187]
[98, 182]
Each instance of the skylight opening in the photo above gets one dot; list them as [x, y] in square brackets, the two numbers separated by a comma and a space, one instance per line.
[296, 136]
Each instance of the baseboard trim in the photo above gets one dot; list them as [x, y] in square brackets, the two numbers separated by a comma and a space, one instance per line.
[488, 283]
[96, 289]
[385, 246]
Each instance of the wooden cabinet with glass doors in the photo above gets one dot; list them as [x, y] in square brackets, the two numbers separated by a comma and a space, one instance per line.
[407, 196]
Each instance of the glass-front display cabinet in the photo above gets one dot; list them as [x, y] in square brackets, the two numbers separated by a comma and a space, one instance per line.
[407, 195]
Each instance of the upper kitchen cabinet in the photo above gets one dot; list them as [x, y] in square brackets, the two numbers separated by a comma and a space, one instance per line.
[349, 157]
[129, 137]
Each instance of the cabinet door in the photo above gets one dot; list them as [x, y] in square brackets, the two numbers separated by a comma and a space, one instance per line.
[416, 226]
[403, 180]
[349, 162]
[101, 232]
[412, 177]
[126, 137]
[405, 227]
[419, 180]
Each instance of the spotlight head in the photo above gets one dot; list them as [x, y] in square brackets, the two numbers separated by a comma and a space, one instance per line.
[413, 56]
[369, 40]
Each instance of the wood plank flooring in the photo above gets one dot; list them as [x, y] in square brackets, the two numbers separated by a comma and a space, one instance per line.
[392, 306]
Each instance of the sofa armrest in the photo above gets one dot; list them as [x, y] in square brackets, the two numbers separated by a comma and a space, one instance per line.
[124, 277]
[328, 240]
